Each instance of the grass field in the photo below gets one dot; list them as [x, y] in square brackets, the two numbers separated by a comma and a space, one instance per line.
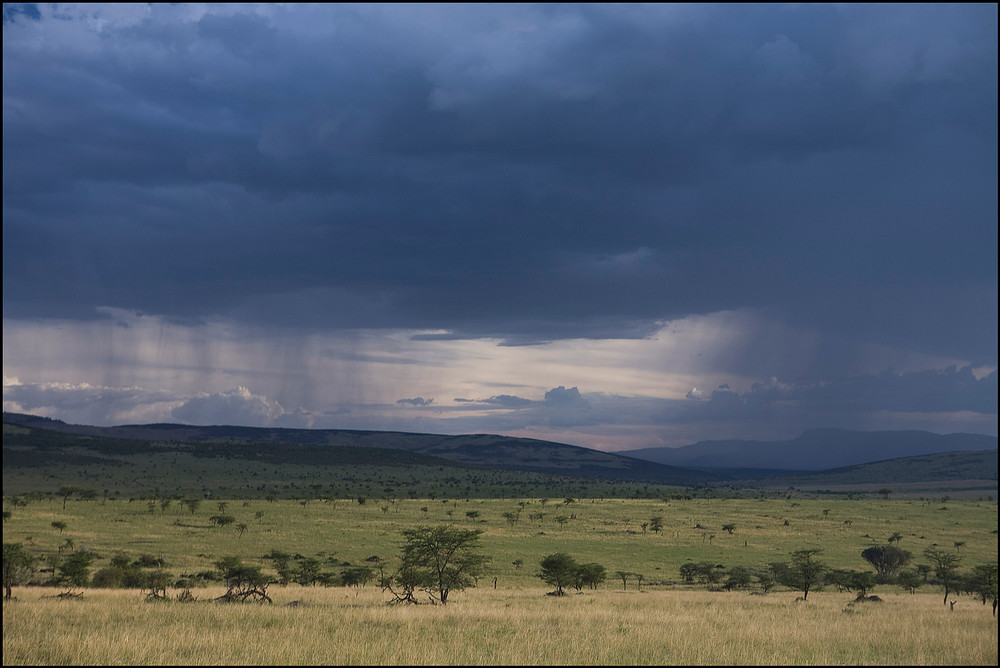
[606, 531]
[507, 619]
[511, 626]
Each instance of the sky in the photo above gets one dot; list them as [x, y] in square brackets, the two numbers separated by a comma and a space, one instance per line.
[614, 226]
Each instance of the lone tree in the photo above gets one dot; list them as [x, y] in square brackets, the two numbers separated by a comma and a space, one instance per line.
[437, 560]
[805, 572]
[887, 560]
[559, 570]
[18, 566]
[945, 567]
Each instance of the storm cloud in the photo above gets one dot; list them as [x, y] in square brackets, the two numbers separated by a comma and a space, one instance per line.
[358, 188]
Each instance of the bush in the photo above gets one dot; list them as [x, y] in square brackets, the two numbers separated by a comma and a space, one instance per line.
[107, 578]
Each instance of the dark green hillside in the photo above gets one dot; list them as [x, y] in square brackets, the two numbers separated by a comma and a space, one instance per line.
[41, 461]
[974, 465]
[495, 452]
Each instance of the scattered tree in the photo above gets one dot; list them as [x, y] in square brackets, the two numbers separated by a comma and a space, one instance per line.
[244, 583]
[887, 560]
[982, 582]
[589, 575]
[61, 526]
[805, 572]
[945, 567]
[18, 566]
[437, 560]
[74, 570]
[558, 570]
[909, 580]
[357, 576]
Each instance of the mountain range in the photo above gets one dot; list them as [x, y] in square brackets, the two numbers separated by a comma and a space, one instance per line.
[814, 450]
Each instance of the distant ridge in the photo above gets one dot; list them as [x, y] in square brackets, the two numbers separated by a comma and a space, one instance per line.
[814, 450]
[485, 450]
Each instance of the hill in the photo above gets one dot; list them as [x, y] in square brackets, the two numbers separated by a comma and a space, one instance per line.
[479, 450]
[814, 450]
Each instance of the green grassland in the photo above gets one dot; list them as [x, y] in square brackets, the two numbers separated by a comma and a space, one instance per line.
[346, 506]
[607, 531]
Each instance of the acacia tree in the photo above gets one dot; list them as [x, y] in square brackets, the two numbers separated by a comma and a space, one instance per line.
[982, 582]
[589, 575]
[437, 560]
[18, 566]
[75, 569]
[945, 567]
[805, 572]
[559, 570]
[244, 583]
[886, 559]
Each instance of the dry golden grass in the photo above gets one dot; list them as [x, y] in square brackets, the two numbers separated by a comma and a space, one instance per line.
[338, 626]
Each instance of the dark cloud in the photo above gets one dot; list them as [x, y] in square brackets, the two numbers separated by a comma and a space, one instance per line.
[524, 173]
[585, 172]
[416, 401]
[499, 401]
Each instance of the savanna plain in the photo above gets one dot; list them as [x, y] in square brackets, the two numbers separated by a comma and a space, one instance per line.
[643, 613]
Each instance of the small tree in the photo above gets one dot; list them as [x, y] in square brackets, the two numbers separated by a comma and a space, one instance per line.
[558, 570]
[75, 569]
[945, 567]
[886, 559]
[357, 576]
[739, 578]
[854, 581]
[438, 560]
[244, 583]
[18, 566]
[589, 575]
[805, 572]
[192, 504]
[61, 526]
[656, 524]
[729, 528]
[67, 491]
[157, 583]
[909, 580]
[982, 582]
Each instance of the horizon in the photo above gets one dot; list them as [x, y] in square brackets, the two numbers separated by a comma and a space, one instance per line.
[186, 424]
